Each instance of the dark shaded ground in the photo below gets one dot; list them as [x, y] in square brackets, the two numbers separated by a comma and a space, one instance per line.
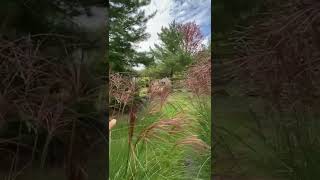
[239, 154]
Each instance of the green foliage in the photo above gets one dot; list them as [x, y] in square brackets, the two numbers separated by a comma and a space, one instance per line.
[143, 82]
[158, 158]
[201, 111]
[170, 57]
[42, 16]
[171, 41]
[153, 71]
[127, 25]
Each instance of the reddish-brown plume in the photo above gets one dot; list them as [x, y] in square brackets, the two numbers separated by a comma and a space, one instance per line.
[198, 78]
[132, 121]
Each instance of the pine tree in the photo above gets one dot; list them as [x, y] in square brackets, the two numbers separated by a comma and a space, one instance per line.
[171, 55]
[19, 18]
[127, 25]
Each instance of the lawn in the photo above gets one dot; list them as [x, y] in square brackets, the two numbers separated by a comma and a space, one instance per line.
[162, 152]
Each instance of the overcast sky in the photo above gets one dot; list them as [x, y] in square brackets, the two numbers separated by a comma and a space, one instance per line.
[185, 11]
[167, 10]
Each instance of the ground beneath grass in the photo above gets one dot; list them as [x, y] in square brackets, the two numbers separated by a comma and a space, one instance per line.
[239, 153]
[96, 169]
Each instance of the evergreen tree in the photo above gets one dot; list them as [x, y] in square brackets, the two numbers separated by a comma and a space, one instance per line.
[19, 18]
[171, 41]
[127, 25]
[170, 55]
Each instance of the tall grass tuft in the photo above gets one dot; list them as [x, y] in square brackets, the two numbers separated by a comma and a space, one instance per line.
[198, 81]
[51, 103]
[169, 138]
[161, 144]
[151, 153]
[278, 58]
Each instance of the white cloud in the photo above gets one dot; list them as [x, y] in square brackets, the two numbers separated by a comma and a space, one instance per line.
[167, 10]
[195, 10]
[139, 67]
[206, 40]
[162, 18]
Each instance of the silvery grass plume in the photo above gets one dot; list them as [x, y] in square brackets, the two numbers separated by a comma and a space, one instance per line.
[169, 126]
[194, 142]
